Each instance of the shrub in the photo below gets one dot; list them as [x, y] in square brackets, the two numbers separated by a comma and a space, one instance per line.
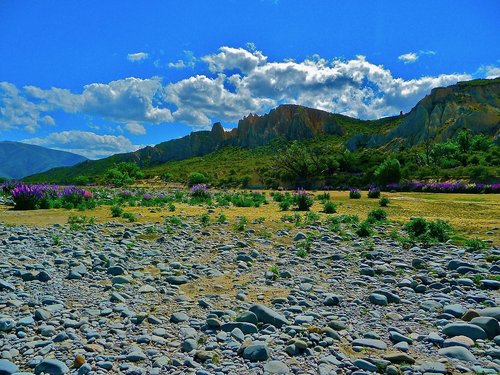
[416, 227]
[388, 172]
[197, 178]
[439, 230]
[221, 219]
[383, 202]
[200, 191]
[354, 193]
[475, 244]
[302, 200]
[302, 253]
[284, 205]
[323, 197]
[241, 224]
[376, 215]
[205, 219]
[364, 229]
[329, 207]
[428, 231]
[116, 211]
[374, 192]
[129, 216]
[311, 218]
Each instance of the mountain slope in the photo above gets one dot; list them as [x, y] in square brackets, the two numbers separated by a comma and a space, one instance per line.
[472, 105]
[18, 160]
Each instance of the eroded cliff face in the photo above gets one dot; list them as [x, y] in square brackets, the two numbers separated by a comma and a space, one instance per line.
[446, 111]
[288, 121]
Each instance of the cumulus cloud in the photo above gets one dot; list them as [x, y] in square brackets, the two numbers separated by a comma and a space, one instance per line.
[135, 128]
[411, 57]
[137, 56]
[239, 81]
[88, 144]
[234, 58]
[491, 71]
[408, 58]
[129, 99]
[189, 61]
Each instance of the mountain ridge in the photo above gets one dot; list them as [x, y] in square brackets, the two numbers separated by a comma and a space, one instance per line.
[438, 116]
[23, 159]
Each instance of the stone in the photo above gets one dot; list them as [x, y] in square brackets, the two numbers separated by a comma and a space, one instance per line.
[177, 280]
[399, 358]
[432, 367]
[370, 343]
[257, 351]
[469, 315]
[492, 312]
[247, 316]
[4, 285]
[332, 300]
[464, 341]
[457, 352]
[179, 317]
[52, 367]
[464, 329]
[79, 361]
[365, 365]
[7, 367]
[276, 368]
[269, 316]
[378, 299]
[246, 328]
[456, 310]
[488, 324]
[6, 324]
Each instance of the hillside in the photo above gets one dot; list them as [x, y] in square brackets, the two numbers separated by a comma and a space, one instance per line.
[473, 106]
[18, 160]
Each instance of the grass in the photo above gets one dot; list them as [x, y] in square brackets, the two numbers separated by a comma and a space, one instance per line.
[470, 216]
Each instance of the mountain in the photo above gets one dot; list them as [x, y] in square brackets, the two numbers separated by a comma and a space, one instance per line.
[18, 160]
[472, 105]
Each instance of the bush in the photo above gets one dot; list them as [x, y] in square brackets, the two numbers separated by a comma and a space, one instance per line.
[374, 192]
[205, 219]
[428, 231]
[475, 244]
[221, 219]
[416, 227]
[354, 194]
[364, 229]
[383, 202]
[323, 197]
[329, 207]
[200, 191]
[376, 215]
[284, 205]
[388, 172]
[302, 200]
[196, 178]
[116, 211]
[241, 224]
[129, 216]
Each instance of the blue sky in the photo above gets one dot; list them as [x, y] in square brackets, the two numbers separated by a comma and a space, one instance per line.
[102, 77]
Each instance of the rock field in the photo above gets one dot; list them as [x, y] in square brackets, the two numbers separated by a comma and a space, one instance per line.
[125, 299]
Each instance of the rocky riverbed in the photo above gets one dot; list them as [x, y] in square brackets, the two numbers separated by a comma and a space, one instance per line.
[114, 298]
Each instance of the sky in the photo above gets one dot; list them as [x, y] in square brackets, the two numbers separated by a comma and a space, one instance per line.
[103, 77]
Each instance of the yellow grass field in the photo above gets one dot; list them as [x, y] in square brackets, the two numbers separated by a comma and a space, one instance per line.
[471, 215]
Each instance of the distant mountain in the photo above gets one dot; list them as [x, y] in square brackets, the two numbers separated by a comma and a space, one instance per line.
[472, 105]
[18, 160]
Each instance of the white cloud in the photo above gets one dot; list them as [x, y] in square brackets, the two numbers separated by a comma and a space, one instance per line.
[189, 61]
[491, 71]
[411, 57]
[408, 58]
[125, 100]
[137, 56]
[88, 144]
[135, 128]
[234, 58]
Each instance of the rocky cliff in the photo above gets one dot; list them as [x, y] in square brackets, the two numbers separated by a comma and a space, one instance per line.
[472, 105]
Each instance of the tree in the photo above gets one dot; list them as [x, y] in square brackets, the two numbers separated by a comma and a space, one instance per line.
[196, 178]
[388, 172]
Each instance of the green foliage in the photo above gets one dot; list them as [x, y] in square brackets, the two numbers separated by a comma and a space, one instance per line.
[167, 177]
[311, 218]
[129, 216]
[354, 194]
[323, 197]
[302, 200]
[116, 211]
[275, 270]
[428, 231]
[81, 180]
[123, 174]
[241, 224]
[284, 205]
[302, 253]
[221, 219]
[205, 220]
[56, 240]
[475, 244]
[364, 229]
[196, 178]
[388, 172]
[383, 202]
[329, 207]
[376, 215]
[76, 222]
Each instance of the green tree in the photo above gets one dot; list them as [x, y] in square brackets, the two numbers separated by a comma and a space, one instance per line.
[388, 172]
[197, 178]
